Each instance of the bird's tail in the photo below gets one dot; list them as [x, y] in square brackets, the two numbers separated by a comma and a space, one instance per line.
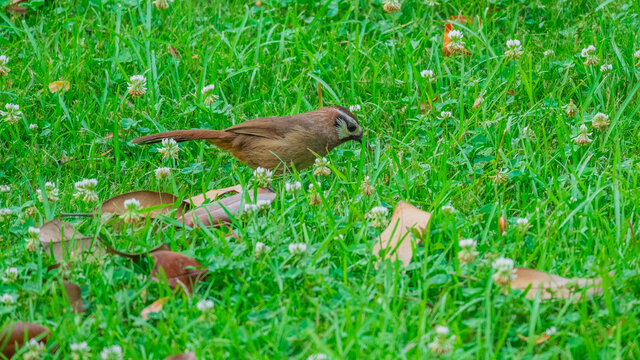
[182, 135]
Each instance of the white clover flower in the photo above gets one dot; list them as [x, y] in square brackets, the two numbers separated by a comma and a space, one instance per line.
[5, 214]
[514, 49]
[33, 350]
[10, 275]
[131, 212]
[504, 271]
[570, 109]
[549, 52]
[162, 173]
[161, 4]
[442, 343]
[501, 176]
[456, 44]
[7, 299]
[468, 251]
[51, 191]
[5, 188]
[33, 232]
[137, 85]
[636, 56]
[522, 225]
[263, 177]
[297, 248]
[169, 149]
[354, 108]
[262, 248]
[551, 331]
[606, 68]
[582, 138]
[429, 75]
[33, 127]
[111, 353]
[208, 95]
[448, 209]
[251, 208]
[79, 351]
[86, 190]
[600, 121]
[4, 69]
[378, 216]
[391, 6]
[12, 113]
[313, 195]
[205, 305]
[589, 53]
[263, 204]
[446, 115]
[292, 187]
[319, 356]
[366, 186]
[322, 167]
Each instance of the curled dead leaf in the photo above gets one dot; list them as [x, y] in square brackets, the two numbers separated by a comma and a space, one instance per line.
[502, 225]
[151, 203]
[538, 340]
[394, 239]
[56, 86]
[221, 211]
[553, 286]
[184, 356]
[13, 336]
[180, 270]
[63, 240]
[74, 294]
[213, 195]
[155, 307]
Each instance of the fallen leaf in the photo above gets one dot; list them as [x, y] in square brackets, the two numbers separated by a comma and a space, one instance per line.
[426, 106]
[172, 50]
[16, 7]
[512, 92]
[74, 294]
[405, 218]
[463, 19]
[13, 336]
[446, 52]
[56, 86]
[478, 101]
[539, 339]
[553, 286]
[180, 270]
[213, 195]
[185, 356]
[221, 211]
[155, 307]
[155, 203]
[63, 239]
[502, 225]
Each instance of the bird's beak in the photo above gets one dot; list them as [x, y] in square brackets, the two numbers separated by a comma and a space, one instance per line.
[360, 140]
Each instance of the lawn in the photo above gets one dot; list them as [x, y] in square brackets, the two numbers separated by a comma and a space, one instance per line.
[529, 148]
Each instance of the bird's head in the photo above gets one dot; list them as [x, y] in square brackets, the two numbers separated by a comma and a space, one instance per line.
[346, 125]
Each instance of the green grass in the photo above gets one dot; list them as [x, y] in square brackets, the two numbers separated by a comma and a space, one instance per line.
[582, 201]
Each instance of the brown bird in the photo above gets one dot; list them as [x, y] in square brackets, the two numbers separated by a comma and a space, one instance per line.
[271, 141]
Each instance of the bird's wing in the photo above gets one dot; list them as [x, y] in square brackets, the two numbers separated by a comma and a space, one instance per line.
[266, 127]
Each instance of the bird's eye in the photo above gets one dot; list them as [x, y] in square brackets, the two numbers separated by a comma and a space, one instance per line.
[351, 127]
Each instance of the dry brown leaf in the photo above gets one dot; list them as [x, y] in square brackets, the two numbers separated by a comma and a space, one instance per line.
[74, 294]
[16, 7]
[220, 212]
[426, 106]
[502, 225]
[155, 307]
[62, 239]
[463, 19]
[13, 336]
[56, 86]
[553, 286]
[172, 50]
[147, 199]
[185, 356]
[539, 339]
[213, 195]
[181, 271]
[394, 238]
